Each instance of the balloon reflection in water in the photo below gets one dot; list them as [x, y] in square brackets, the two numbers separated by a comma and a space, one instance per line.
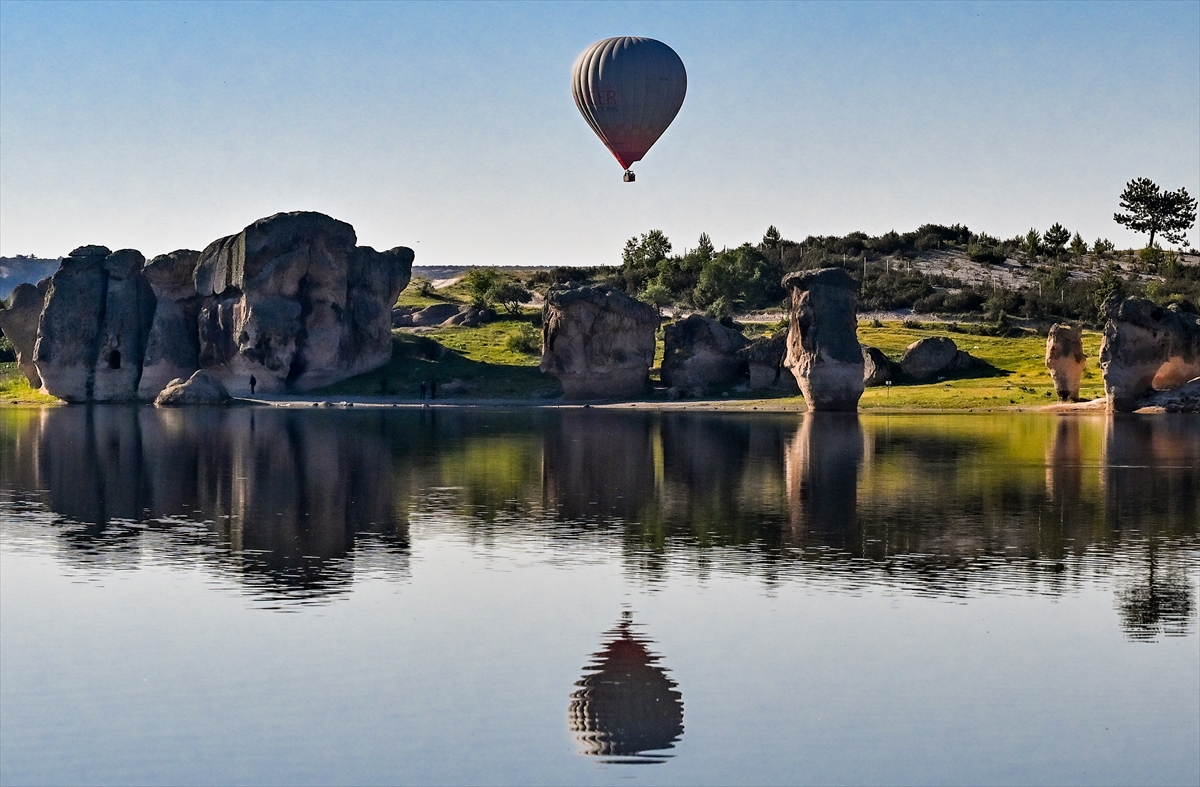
[626, 705]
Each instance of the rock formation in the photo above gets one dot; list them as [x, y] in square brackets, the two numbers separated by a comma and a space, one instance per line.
[19, 317]
[1146, 347]
[289, 300]
[936, 356]
[92, 334]
[1180, 399]
[173, 348]
[201, 388]
[823, 352]
[926, 358]
[878, 369]
[598, 342]
[124, 329]
[764, 357]
[699, 351]
[1064, 359]
[292, 301]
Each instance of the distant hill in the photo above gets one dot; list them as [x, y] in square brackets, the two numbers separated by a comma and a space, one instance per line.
[22, 270]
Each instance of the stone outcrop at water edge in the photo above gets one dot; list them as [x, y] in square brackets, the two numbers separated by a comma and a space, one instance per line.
[1146, 348]
[823, 352]
[699, 351]
[598, 342]
[19, 317]
[201, 388]
[1065, 359]
[290, 300]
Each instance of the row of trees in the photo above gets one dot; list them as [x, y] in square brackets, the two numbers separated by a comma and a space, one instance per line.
[747, 277]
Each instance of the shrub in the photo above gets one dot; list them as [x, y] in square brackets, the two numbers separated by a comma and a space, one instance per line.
[525, 339]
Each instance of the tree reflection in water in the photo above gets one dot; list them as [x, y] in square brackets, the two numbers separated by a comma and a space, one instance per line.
[626, 709]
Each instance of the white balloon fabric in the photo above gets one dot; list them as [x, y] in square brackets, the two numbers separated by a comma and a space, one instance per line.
[629, 90]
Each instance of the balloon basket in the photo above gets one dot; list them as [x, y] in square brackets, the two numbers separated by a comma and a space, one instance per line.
[629, 176]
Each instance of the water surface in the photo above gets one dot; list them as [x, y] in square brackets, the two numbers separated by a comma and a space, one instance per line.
[264, 595]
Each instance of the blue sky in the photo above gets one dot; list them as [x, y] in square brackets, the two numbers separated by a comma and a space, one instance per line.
[450, 127]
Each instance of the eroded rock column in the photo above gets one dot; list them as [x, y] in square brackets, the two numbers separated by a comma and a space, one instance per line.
[19, 317]
[1065, 359]
[823, 352]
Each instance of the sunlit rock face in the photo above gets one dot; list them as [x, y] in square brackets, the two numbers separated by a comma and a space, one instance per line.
[1065, 359]
[293, 302]
[823, 352]
[94, 325]
[1145, 348]
[598, 342]
[699, 351]
[19, 317]
[625, 706]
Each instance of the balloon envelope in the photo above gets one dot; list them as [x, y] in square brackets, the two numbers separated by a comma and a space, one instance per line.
[629, 90]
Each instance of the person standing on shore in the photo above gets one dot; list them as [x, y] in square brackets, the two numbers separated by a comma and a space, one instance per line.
[422, 390]
[253, 382]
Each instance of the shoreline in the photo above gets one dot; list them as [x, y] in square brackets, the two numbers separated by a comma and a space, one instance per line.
[790, 405]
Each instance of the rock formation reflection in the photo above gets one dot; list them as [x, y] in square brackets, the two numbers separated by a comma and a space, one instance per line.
[287, 495]
[942, 505]
[626, 709]
[823, 459]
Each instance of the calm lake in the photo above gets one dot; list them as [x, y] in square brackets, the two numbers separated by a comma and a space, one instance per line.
[372, 596]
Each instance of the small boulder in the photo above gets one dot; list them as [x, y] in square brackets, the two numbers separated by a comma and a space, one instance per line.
[19, 317]
[402, 317]
[598, 342]
[203, 387]
[927, 358]
[878, 369]
[823, 352]
[699, 351]
[433, 315]
[470, 317]
[1065, 359]
[1146, 348]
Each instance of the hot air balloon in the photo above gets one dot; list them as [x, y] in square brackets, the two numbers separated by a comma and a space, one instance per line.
[629, 90]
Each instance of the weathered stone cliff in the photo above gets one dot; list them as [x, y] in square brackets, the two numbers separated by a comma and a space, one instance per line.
[1146, 348]
[290, 300]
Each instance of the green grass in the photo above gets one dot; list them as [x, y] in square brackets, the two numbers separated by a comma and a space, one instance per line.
[15, 388]
[1021, 378]
[477, 356]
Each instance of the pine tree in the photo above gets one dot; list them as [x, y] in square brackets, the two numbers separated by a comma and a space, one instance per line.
[1152, 210]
